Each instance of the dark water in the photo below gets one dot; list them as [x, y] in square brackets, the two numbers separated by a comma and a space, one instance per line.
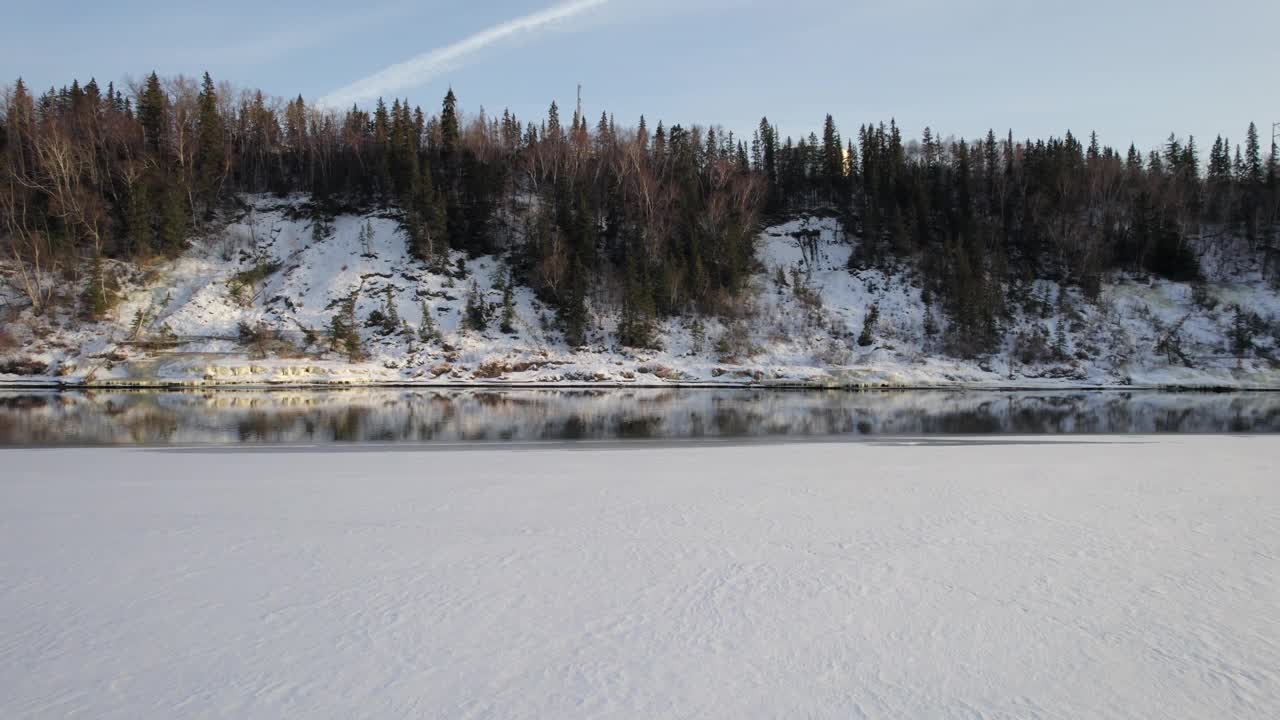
[50, 418]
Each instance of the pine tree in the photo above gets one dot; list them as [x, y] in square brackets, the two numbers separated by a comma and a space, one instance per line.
[475, 316]
[390, 316]
[1133, 162]
[427, 329]
[1191, 159]
[1242, 332]
[574, 313]
[173, 220]
[427, 221]
[343, 333]
[1173, 153]
[697, 335]
[209, 157]
[365, 238]
[832, 156]
[1060, 338]
[508, 325]
[449, 129]
[140, 221]
[1253, 156]
[1219, 161]
[101, 292]
[1273, 165]
[642, 135]
[636, 326]
[152, 112]
[867, 337]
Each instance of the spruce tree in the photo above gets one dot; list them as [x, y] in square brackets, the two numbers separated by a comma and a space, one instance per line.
[867, 337]
[173, 220]
[390, 316]
[152, 110]
[832, 157]
[344, 336]
[475, 315]
[636, 326]
[449, 130]
[427, 329]
[1253, 156]
[209, 154]
[508, 326]
[100, 293]
[574, 312]
[140, 220]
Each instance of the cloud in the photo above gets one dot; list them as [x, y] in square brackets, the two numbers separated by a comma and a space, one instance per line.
[424, 67]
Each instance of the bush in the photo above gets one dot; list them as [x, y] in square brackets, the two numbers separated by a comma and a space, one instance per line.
[264, 340]
[101, 293]
[242, 283]
[1031, 347]
[1201, 296]
[735, 342]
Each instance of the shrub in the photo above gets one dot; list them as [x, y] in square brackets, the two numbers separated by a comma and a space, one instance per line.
[241, 285]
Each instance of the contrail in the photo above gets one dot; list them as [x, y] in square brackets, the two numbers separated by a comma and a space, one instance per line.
[426, 66]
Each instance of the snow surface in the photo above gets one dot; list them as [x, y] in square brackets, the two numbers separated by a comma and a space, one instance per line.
[1113, 578]
[781, 339]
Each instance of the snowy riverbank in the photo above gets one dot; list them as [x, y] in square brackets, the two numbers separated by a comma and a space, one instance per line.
[1114, 577]
[803, 321]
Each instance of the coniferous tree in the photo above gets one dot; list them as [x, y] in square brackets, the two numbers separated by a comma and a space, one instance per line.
[152, 114]
[344, 336]
[508, 325]
[428, 331]
[209, 160]
[1252, 156]
[867, 337]
[475, 315]
[390, 315]
[449, 125]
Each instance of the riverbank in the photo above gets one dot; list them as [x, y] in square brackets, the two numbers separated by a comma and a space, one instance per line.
[253, 303]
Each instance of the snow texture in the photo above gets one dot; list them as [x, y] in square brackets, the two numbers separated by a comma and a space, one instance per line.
[1113, 578]
[803, 314]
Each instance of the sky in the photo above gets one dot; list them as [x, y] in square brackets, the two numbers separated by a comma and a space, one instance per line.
[1133, 70]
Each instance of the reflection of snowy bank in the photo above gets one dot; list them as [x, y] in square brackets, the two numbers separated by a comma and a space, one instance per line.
[418, 415]
[1045, 579]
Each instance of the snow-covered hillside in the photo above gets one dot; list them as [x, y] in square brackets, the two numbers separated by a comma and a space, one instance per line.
[800, 322]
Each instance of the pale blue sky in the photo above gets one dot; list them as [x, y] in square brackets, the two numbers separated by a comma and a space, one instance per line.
[1132, 69]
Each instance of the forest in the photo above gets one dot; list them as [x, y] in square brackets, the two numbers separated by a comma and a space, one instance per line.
[665, 216]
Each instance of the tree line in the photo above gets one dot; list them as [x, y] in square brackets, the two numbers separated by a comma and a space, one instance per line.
[659, 221]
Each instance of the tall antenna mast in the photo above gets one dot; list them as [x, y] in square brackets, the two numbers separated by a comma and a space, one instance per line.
[583, 119]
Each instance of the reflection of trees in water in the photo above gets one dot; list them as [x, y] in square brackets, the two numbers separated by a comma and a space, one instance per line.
[395, 415]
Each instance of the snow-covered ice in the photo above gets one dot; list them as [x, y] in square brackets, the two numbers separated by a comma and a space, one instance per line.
[1102, 578]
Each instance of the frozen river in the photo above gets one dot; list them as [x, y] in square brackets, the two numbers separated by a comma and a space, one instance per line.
[1005, 576]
